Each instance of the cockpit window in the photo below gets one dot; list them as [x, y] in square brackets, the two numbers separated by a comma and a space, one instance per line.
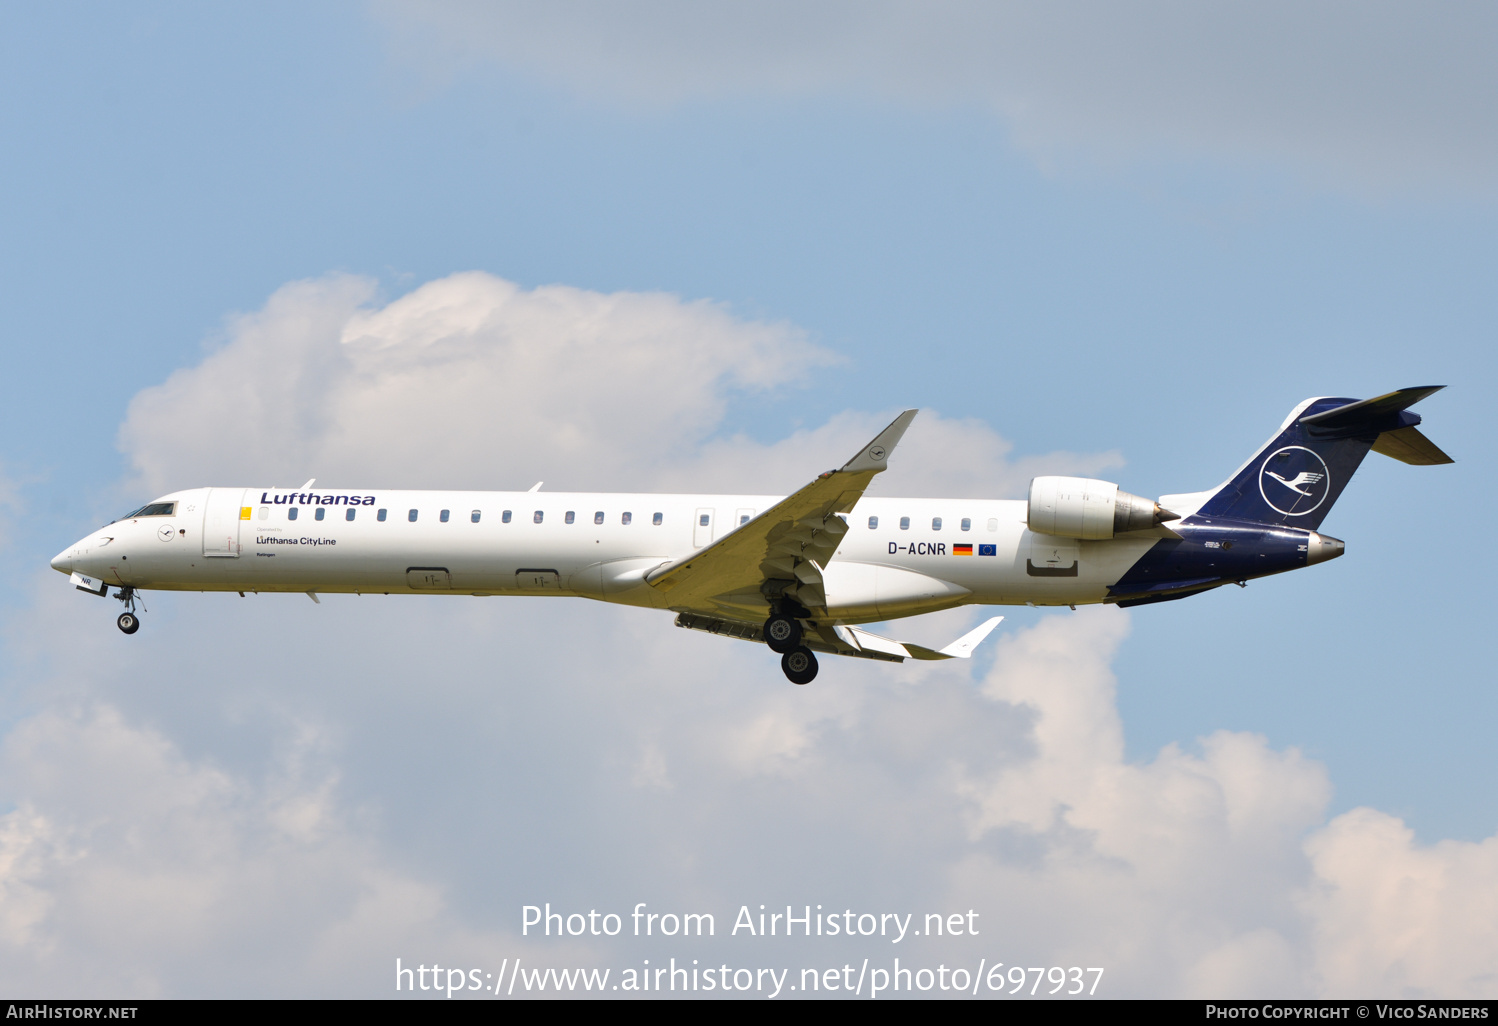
[152, 509]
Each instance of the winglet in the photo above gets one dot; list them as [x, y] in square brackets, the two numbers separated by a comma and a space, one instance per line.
[962, 648]
[874, 456]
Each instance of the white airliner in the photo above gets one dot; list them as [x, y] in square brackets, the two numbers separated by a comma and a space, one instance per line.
[799, 573]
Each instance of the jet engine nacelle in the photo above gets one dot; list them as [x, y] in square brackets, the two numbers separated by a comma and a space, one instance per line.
[1080, 507]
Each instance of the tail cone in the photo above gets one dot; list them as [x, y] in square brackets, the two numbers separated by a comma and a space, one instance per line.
[1322, 547]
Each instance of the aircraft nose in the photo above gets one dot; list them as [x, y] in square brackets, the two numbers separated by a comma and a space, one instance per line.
[63, 561]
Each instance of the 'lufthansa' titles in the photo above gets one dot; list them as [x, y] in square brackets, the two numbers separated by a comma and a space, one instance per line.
[308, 499]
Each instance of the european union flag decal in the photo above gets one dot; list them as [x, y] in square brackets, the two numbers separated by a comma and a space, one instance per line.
[988, 550]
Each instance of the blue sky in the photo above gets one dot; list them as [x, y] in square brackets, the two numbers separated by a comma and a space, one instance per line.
[1109, 270]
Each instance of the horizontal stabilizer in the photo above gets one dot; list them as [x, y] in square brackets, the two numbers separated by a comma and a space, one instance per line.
[1368, 411]
[1408, 445]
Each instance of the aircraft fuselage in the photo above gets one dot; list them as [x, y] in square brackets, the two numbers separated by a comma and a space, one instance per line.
[899, 557]
[796, 572]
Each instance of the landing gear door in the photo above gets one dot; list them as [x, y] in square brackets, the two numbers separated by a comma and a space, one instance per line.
[222, 515]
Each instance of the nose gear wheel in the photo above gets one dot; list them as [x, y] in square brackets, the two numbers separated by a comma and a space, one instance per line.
[128, 621]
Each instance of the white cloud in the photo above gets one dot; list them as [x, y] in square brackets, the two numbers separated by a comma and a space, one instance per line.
[126, 863]
[657, 765]
[1194, 855]
[1367, 95]
[262, 796]
[1396, 918]
[471, 381]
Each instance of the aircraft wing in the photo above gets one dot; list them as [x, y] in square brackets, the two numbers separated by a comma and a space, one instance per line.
[785, 547]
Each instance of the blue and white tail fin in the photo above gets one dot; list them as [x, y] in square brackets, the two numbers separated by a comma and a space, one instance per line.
[1296, 477]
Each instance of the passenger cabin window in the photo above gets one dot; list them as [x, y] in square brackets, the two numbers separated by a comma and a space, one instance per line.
[656, 520]
[444, 515]
[538, 517]
[743, 519]
[411, 516]
[967, 524]
[625, 518]
[904, 523]
[570, 517]
[291, 513]
[936, 523]
[504, 518]
[598, 517]
[319, 514]
[993, 523]
[873, 523]
[474, 516]
[264, 512]
[380, 516]
[348, 514]
[703, 520]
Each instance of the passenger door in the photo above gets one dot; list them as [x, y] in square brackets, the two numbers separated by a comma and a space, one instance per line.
[222, 515]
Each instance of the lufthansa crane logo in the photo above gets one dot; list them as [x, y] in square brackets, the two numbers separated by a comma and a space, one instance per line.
[876, 452]
[1294, 480]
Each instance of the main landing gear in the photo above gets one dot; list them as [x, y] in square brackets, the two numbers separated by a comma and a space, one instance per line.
[800, 665]
[128, 621]
[783, 635]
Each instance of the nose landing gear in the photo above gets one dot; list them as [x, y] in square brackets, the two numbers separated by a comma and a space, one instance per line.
[128, 621]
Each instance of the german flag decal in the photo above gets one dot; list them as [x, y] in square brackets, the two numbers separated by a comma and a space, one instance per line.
[962, 550]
